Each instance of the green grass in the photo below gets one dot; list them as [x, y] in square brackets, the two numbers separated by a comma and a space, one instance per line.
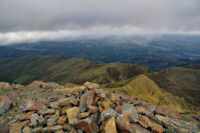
[146, 89]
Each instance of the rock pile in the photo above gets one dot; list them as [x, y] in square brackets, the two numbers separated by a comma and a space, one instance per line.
[94, 110]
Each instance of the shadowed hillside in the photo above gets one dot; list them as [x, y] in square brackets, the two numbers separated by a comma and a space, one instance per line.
[184, 82]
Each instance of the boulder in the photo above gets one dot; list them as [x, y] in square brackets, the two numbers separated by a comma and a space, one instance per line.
[5, 104]
[107, 114]
[130, 111]
[123, 124]
[109, 126]
[143, 110]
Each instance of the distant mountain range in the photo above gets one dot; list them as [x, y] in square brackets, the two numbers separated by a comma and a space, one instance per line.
[154, 52]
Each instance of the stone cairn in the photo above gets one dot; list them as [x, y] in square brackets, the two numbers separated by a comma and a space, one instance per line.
[93, 110]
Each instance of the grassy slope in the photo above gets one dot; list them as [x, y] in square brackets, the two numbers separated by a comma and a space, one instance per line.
[76, 70]
[26, 69]
[146, 89]
[182, 82]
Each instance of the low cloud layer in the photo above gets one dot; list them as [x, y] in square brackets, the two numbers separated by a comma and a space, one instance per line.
[32, 20]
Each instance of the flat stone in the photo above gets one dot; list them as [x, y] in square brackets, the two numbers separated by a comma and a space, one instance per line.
[72, 115]
[144, 121]
[46, 112]
[109, 126]
[130, 111]
[34, 105]
[123, 124]
[143, 110]
[5, 104]
[52, 128]
[93, 108]
[138, 129]
[90, 85]
[61, 103]
[87, 126]
[166, 112]
[83, 115]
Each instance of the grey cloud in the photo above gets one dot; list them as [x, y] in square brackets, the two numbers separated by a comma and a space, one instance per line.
[83, 16]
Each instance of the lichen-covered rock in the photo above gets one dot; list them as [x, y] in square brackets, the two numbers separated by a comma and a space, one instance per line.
[109, 126]
[104, 105]
[52, 128]
[87, 126]
[123, 124]
[5, 104]
[90, 110]
[34, 105]
[107, 114]
[86, 100]
[138, 129]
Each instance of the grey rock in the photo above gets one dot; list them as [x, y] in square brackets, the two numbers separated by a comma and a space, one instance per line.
[34, 117]
[5, 104]
[130, 111]
[107, 114]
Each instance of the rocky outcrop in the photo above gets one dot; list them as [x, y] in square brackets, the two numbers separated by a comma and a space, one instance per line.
[94, 110]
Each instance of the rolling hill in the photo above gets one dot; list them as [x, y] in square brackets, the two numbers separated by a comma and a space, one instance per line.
[146, 89]
[62, 70]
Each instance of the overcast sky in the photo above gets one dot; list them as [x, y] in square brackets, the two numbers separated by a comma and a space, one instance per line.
[32, 20]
